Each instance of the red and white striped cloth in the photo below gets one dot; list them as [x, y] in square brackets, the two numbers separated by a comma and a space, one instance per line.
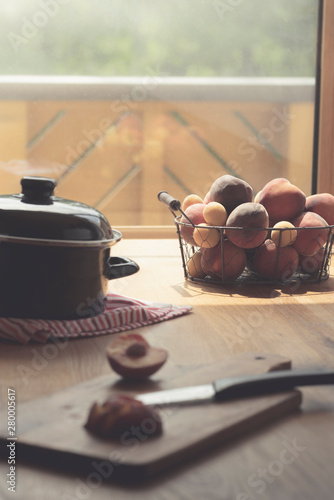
[121, 314]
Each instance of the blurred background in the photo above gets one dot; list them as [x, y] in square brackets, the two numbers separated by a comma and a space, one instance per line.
[118, 100]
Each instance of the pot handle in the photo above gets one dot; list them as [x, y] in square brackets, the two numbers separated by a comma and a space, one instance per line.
[119, 267]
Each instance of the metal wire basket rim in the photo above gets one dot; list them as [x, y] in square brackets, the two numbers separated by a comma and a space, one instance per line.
[179, 222]
[248, 276]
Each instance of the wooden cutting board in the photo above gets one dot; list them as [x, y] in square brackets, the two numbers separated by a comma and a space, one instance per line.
[51, 432]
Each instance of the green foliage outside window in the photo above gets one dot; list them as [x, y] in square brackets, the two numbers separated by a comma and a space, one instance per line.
[228, 38]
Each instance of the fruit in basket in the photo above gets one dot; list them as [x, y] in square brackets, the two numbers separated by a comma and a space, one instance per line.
[253, 219]
[311, 264]
[206, 236]
[195, 214]
[230, 191]
[256, 197]
[225, 263]
[194, 266]
[273, 263]
[298, 226]
[118, 414]
[323, 205]
[132, 357]
[283, 233]
[215, 214]
[191, 199]
[282, 200]
[310, 240]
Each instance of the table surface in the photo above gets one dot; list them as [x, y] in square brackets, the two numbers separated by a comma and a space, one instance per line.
[294, 322]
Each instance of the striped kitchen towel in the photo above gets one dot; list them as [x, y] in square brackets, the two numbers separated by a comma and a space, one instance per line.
[121, 314]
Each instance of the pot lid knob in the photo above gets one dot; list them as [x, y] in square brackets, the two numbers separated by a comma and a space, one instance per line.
[37, 189]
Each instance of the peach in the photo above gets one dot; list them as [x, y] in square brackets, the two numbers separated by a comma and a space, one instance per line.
[206, 236]
[225, 262]
[323, 205]
[230, 191]
[195, 214]
[277, 180]
[215, 214]
[131, 356]
[253, 219]
[282, 200]
[256, 197]
[312, 264]
[206, 198]
[194, 266]
[191, 199]
[283, 233]
[273, 263]
[309, 240]
[118, 414]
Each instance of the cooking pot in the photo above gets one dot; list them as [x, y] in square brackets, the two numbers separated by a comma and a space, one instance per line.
[55, 258]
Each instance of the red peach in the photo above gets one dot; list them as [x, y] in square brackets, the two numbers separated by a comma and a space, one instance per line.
[230, 191]
[309, 240]
[282, 200]
[277, 180]
[195, 214]
[207, 198]
[323, 205]
[253, 219]
[225, 263]
[311, 264]
[274, 264]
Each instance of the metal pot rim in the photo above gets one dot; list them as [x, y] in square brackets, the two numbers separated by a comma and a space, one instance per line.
[117, 235]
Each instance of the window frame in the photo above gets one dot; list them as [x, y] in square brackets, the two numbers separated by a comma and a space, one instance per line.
[324, 120]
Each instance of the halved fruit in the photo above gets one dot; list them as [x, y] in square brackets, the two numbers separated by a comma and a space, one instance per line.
[119, 414]
[132, 357]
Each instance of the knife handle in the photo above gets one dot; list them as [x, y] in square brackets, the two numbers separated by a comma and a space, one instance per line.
[267, 383]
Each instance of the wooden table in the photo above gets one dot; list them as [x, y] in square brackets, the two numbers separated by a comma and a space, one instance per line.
[295, 322]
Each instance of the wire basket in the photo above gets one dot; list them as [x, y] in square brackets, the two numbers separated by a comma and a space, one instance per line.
[212, 258]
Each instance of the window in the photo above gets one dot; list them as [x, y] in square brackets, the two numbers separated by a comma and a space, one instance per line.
[137, 97]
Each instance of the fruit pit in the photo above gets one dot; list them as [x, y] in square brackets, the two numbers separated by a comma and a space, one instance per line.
[136, 350]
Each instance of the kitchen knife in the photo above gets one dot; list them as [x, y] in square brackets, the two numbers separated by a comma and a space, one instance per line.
[238, 387]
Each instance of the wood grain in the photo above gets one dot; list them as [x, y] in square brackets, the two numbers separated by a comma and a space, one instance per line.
[52, 428]
[293, 322]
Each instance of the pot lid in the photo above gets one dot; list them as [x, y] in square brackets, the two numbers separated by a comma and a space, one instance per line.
[37, 214]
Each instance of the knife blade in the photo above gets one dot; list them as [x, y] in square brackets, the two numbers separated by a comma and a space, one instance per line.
[238, 387]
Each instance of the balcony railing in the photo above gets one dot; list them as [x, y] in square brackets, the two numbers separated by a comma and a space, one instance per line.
[156, 88]
[114, 143]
